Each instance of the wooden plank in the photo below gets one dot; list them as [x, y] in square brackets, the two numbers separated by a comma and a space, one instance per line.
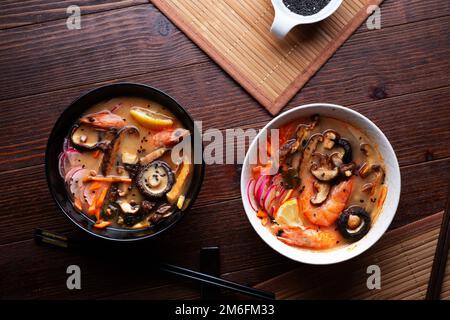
[404, 257]
[26, 60]
[213, 106]
[242, 255]
[424, 190]
[371, 67]
[110, 44]
[397, 12]
[19, 13]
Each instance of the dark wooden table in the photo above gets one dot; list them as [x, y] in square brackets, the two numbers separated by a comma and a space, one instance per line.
[398, 76]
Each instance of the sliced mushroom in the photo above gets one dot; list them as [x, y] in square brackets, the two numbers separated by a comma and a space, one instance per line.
[286, 148]
[324, 173]
[87, 138]
[348, 153]
[308, 152]
[111, 152]
[330, 136]
[336, 158]
[155, 179]
[127, 208]
[370, 168]
[366, 167]
[323, 189]
[379, 174]
[347, 170]
[324, 170]
[300, 139]
[354, 223]
[295, 160]
[129, 158]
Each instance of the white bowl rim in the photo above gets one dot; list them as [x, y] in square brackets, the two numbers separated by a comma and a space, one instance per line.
[298, 254]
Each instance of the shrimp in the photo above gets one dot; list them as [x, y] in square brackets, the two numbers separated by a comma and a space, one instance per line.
[104, 120]
[169, 137]
[308, 237]
[327, 213]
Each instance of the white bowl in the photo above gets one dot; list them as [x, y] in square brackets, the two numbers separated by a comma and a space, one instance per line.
[285, 19]
[392, 181]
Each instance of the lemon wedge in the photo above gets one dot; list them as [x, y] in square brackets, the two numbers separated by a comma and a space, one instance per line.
[288, 214]
[150, 119]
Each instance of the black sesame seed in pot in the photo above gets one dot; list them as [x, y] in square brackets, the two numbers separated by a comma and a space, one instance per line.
[305, 7]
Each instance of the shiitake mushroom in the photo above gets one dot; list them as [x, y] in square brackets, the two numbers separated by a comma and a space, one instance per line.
[87, 138]
[354, 223]
[155, 179]
[348, 153]
[113, 147]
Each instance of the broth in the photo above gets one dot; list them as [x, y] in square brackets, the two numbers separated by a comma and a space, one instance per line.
[118, 167]
[329, 188]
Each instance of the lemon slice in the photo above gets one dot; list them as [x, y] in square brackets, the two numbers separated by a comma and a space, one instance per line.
[288, 214]
[150, 119]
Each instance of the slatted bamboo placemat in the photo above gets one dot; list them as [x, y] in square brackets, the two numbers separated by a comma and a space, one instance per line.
[405, 257]
[445, 293]
[236, 34]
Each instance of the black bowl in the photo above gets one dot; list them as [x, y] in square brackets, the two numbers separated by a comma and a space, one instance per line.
[61, 131]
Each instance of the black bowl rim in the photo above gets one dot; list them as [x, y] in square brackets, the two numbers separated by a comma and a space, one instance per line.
[47, 166]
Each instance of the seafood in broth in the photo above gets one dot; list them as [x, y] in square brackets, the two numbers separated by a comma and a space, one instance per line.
[329, 187]
[117, 164]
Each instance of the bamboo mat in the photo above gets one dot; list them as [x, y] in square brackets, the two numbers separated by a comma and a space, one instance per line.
[236, 34]
[405, 257]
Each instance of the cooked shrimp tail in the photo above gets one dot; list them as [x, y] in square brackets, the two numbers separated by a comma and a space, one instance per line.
[307, 238]
[103, 120]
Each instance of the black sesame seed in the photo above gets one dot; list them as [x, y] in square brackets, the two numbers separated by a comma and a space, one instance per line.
[305, 7]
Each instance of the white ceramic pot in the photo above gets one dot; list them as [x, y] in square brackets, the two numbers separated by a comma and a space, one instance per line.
[285, 19]
[392, 181]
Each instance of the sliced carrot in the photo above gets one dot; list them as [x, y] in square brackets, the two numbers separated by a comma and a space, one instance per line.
[99, 202]
[261, 214]
[92, 207]
[264, 221]
[97, 213]
[96, 154]
[102, 224]
[257, 169]
[95, 185]
[287, 196]
[78, 204]
[106, 179]
[269, 147]
[102, 196]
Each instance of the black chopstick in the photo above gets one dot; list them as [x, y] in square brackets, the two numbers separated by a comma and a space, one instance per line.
[46, 237]
[219, 282]
[440, 257]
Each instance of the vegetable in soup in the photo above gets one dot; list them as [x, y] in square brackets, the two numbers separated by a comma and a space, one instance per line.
[329, 188]
[117, 164]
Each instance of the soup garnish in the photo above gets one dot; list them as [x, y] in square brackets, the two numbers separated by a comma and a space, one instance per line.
[329, 187]
[117, 164]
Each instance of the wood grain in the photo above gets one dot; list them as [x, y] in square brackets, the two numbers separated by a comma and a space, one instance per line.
[397, 76]
[424, 190]
[110, 44]
[404, 257]
[397, 12]
[19, 13]
[212, 98]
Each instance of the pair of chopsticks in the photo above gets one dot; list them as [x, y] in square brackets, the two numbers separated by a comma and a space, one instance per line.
[440, 257]
[46, 237]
